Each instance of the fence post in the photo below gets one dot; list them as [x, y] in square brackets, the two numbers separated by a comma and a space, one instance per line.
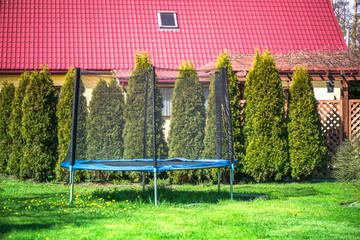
[345, 107]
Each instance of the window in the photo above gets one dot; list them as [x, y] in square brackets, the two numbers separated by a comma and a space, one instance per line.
[167, 20]
[167, 95]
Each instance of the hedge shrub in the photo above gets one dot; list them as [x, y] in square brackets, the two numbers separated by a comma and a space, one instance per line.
[347, 160]
[15, 126]
[39, 127]
[187, 121]
[265, 125]
[134, 114]
[308, 152]
[105, 126]
[6, 98]
[64, 110]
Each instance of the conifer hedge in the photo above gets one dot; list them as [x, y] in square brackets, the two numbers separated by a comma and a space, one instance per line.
[6, 98]
[187, 122]
[15, 125]
[134, 114]
[265, 125]
[105, 126]
[39, 127]
[308, 152]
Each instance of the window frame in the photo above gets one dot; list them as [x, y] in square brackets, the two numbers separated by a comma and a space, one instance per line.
[161, 26]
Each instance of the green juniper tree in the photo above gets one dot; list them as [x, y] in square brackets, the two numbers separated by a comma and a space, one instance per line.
[6, 98]
[39, 127]
[64, 113]
[265, 125]
[187, 122]
[236, 115]
[64, 110]
[105, 126]
[235, 106]
[15, 126]
[308, 153]
[134, 114]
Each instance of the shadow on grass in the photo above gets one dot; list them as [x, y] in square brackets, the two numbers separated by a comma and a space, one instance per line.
[165, 194]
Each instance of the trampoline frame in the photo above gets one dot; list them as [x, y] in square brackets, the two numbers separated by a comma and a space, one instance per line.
[221, 84]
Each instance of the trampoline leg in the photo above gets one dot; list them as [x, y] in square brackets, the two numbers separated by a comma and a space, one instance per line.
[231, 181]
[155, 189]
[219, 179]
[143, 181]
[71, 184]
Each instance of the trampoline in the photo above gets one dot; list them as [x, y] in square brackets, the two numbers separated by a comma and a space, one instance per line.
[80, 156]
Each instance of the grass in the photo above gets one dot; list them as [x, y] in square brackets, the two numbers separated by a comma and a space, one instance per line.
[32, 210]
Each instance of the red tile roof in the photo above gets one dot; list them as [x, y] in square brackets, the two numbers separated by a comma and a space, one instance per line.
[104, 34]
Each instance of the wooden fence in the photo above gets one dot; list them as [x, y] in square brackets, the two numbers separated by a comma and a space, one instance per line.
[354, 117]
[330, 115]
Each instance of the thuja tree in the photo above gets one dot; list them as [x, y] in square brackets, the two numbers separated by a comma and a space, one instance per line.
[105, 126]
[265, 126]
[187, 122]
[15, 125]
[6, 98]
[64, 110]
[134, 114]
[235, 106]
[236, 114]
[308, 153]
[39, 127]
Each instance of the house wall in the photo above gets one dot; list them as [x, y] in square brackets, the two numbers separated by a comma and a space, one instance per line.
[321, 93]
[59, 79]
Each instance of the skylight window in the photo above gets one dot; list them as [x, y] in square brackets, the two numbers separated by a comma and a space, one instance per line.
[167, 20]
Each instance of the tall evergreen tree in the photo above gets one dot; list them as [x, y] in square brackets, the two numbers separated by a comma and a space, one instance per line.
[6, 98]
[39, 127]
[187, 122]
[265, 126]
[236, 115]
[15, 125]
[64, 114]
[134, 114]
[307, 149]
[105, 124]
[235, 106]
[210, 128]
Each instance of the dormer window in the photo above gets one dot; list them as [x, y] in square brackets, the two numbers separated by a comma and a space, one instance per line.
[167, 20]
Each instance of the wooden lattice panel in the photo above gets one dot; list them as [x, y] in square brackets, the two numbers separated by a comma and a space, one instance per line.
[354, 117]
[330, 115]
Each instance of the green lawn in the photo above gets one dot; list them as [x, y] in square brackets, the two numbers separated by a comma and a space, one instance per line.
[293, 211]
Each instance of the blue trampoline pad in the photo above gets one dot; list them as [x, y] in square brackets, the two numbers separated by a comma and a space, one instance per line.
[147, 164]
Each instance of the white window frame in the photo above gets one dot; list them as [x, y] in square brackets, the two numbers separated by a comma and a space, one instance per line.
[176, 26]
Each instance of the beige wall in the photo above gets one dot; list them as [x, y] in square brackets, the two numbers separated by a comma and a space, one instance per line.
[58, 79]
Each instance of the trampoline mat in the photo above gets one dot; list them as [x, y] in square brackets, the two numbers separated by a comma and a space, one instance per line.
[147, 164]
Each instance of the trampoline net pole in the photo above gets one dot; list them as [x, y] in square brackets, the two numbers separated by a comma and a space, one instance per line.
[218, 119]
[154, 134]
[224, 81]
[145, 123]
[74, 128]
